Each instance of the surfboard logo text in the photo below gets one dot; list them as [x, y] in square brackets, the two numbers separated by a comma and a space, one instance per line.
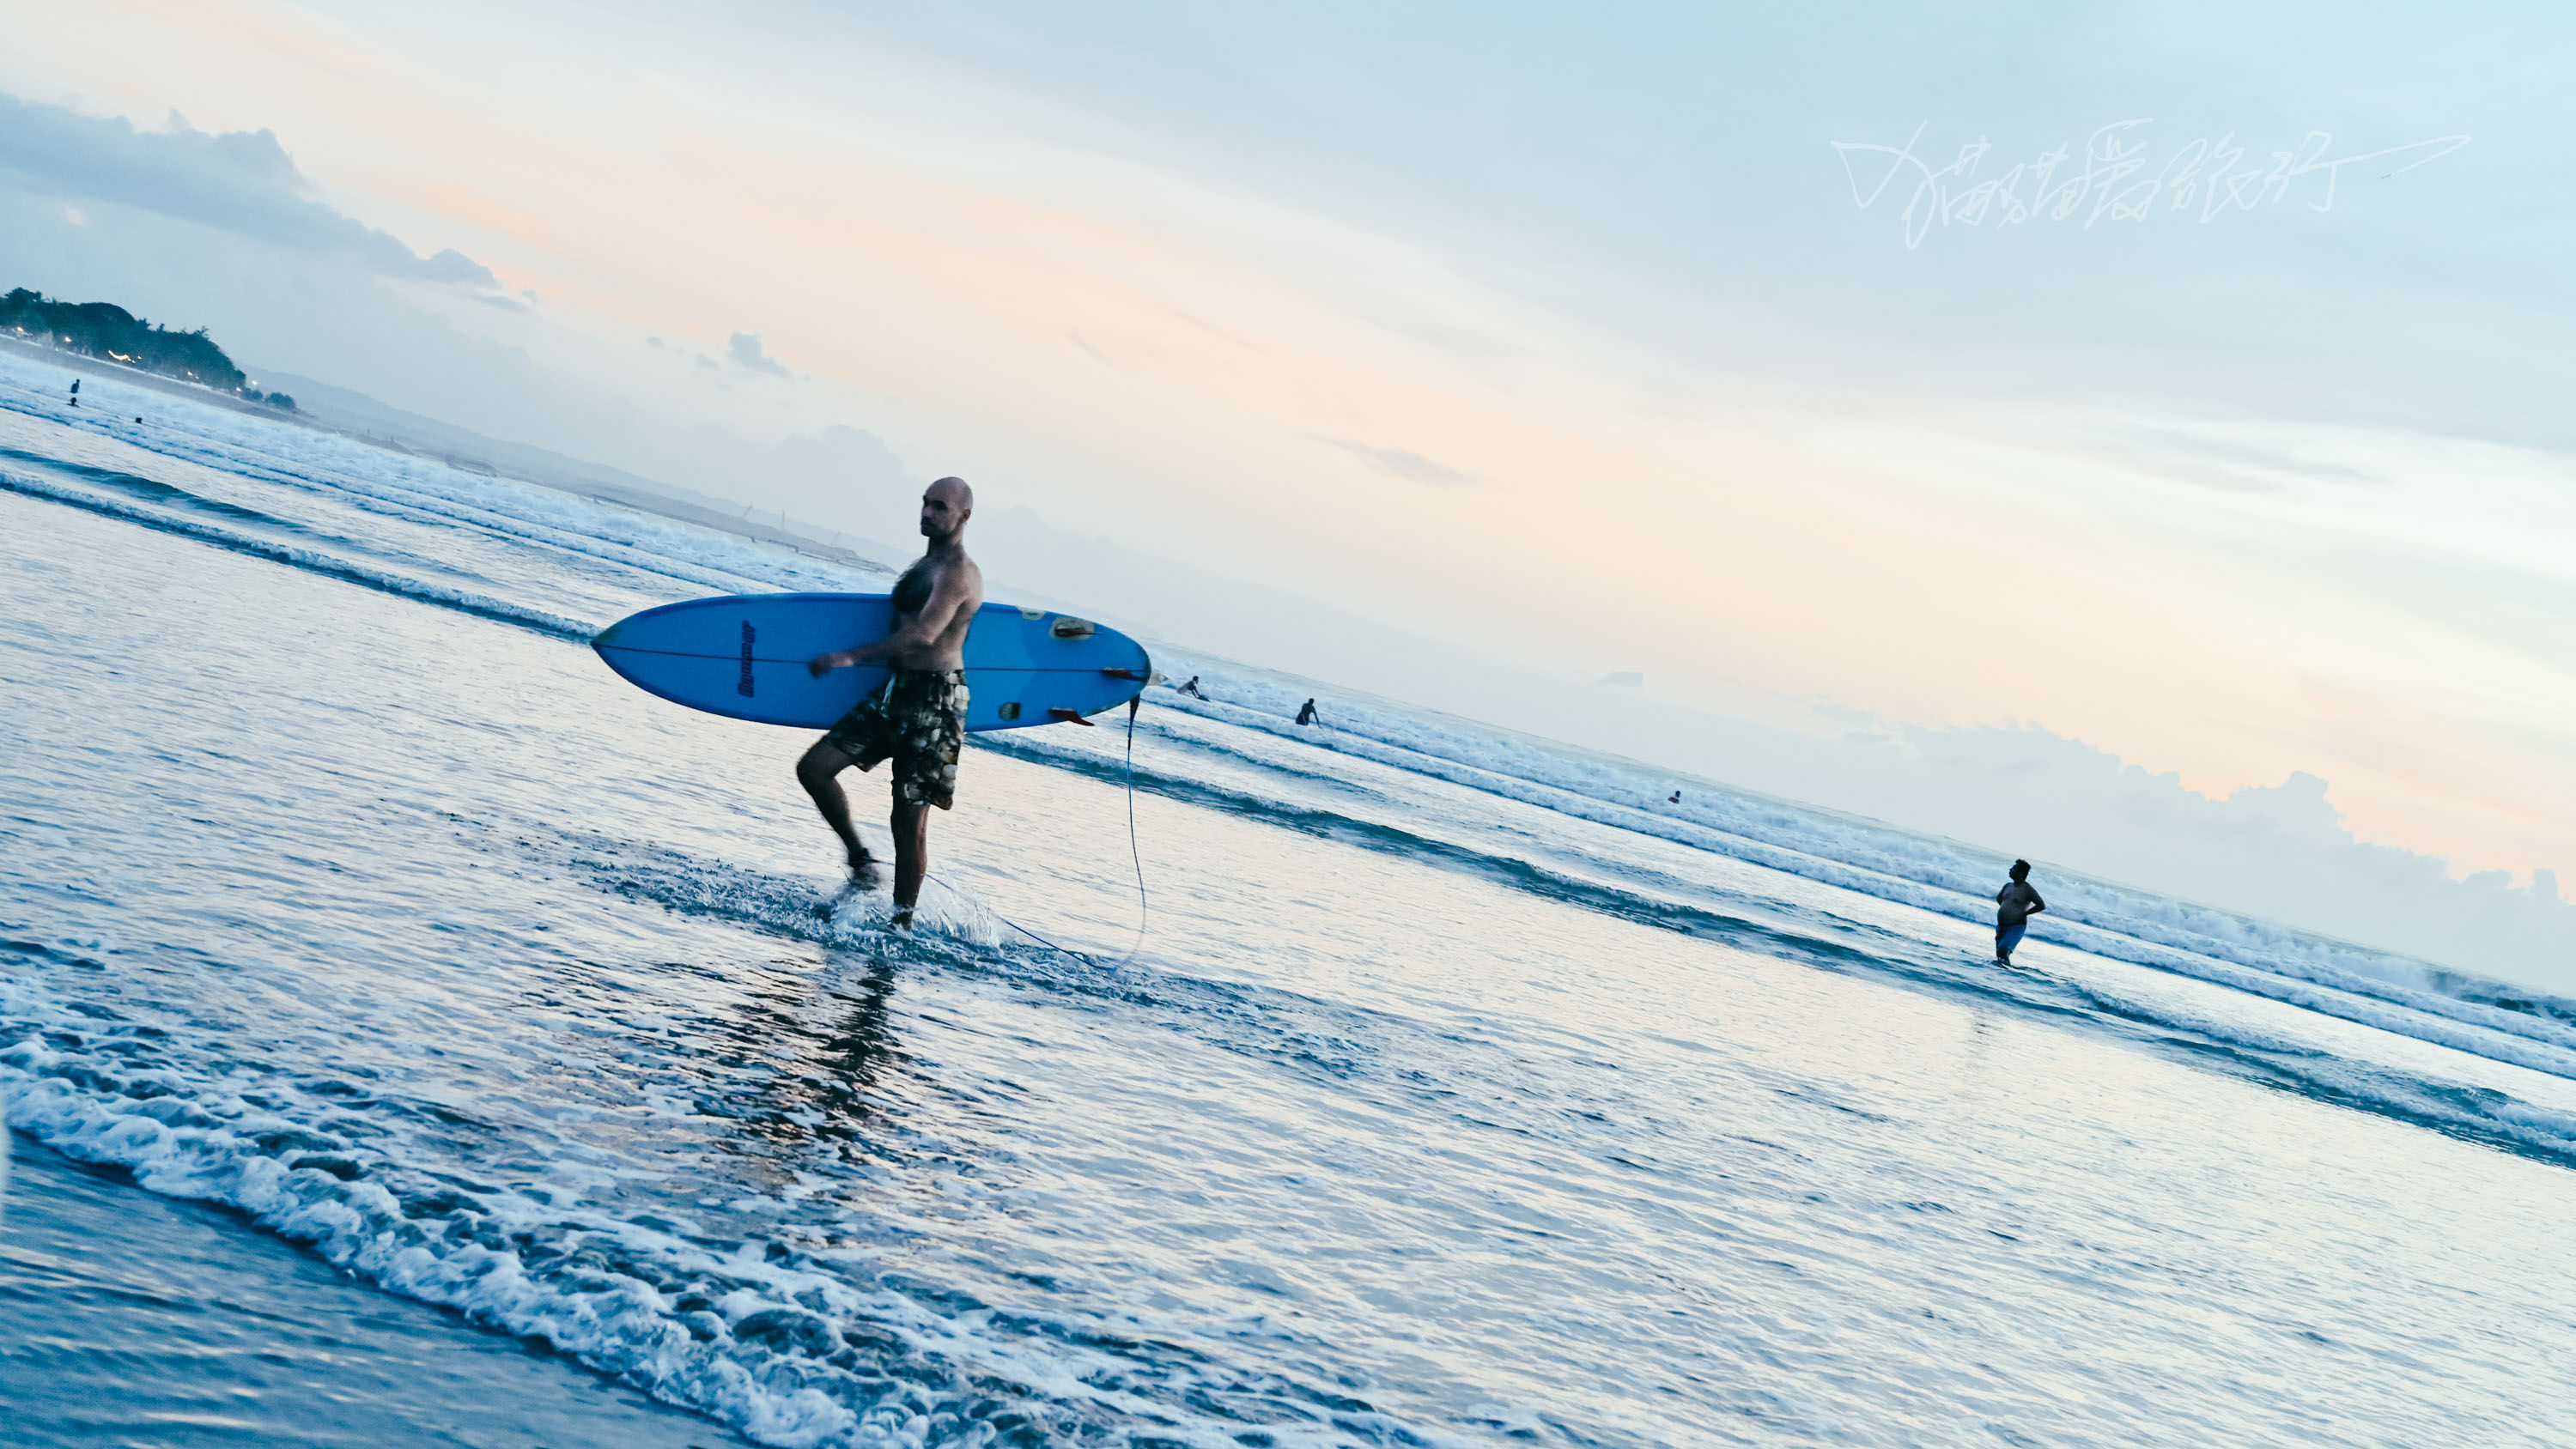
[744, 687]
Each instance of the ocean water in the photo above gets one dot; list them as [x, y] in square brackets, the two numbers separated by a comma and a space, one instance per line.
[135, 1319]
[1457, 1090]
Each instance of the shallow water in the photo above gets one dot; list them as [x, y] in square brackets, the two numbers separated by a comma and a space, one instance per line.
[131, 1319]
[342, 889]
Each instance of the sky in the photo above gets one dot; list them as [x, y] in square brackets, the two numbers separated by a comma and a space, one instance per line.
[2115, 429]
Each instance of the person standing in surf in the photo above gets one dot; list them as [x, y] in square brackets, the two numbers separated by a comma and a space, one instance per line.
[2015, 904]
[919, 718]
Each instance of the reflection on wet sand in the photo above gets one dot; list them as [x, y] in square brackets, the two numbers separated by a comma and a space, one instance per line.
[799, 1064]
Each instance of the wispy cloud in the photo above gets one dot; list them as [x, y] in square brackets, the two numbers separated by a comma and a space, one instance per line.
[2222, 462]
[1403, 463]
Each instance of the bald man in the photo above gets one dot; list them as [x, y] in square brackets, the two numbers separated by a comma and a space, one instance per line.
[919, 718]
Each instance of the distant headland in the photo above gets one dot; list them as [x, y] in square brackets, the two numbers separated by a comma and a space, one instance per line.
[107, 331]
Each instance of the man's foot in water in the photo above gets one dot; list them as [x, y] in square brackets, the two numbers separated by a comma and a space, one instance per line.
[901, 920]
[865, 876]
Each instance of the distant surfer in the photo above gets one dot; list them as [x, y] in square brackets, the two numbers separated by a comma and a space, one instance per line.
[1676, 800]
[919, 718]
[76, 392]
[1306, 714]
[1192, 688]
[2015, 904]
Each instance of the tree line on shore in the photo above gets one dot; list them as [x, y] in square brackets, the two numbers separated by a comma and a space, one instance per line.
[105, 330]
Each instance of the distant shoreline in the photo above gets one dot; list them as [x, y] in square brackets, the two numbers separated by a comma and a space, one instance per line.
[598, 490]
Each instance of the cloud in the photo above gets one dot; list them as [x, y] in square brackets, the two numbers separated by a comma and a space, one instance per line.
[242, 182]
[1403, 463]
[839, 456]
[2219, 462]
[747, 351]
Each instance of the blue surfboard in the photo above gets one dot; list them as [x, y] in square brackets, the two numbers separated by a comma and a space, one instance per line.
[744, 656]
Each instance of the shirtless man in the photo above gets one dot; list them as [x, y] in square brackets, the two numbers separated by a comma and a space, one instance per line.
[2015, 904]
[919, 718]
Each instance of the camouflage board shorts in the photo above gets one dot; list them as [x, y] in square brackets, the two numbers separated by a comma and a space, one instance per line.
[919, 718]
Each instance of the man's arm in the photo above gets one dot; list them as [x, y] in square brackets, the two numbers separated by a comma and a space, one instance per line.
[947, 598]
[2036, 904]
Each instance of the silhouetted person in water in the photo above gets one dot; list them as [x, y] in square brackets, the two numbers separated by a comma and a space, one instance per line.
[2015, 904]
[1192, 688]
[1306, 713]
[1676, 800]
[76, 392]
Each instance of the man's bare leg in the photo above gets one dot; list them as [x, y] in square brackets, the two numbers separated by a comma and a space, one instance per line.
[911, 857]
[819, 773]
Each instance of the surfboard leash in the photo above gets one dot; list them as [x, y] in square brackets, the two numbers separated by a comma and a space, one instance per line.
[1135, 853]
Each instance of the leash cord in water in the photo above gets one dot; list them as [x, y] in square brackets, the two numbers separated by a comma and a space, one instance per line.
[1135, 853]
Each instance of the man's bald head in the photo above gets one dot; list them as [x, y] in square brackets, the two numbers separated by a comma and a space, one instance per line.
[945, 507]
